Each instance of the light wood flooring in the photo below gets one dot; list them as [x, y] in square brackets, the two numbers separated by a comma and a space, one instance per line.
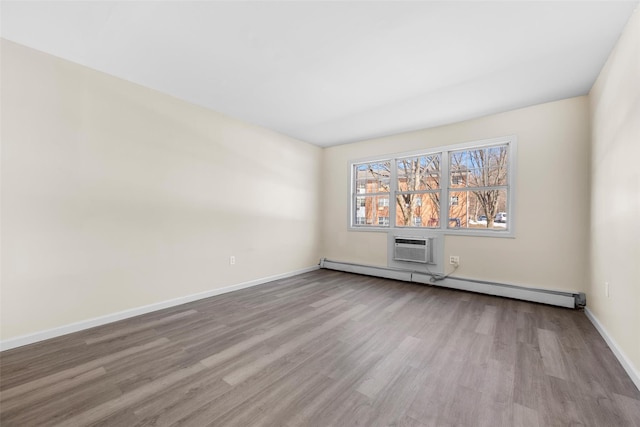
[326, 349]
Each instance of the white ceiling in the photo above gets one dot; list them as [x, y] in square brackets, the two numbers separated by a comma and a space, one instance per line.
[333, 72]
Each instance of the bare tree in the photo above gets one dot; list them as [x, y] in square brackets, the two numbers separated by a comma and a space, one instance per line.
[417, 174]
[485, 167]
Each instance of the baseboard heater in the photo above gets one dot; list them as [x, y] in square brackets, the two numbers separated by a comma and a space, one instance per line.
[545, 296]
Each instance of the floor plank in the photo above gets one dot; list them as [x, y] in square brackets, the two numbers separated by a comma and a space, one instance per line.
[326, 349]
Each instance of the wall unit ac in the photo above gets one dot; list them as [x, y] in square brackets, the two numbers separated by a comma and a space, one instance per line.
[413, 249]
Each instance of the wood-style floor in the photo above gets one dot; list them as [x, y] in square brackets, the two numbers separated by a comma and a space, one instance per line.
[326, 349]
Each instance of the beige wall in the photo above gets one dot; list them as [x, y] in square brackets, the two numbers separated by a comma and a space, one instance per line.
[615, 195]
[551, 205]
[115, 196]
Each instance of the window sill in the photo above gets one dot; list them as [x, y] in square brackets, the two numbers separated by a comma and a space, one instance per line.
[447, 232]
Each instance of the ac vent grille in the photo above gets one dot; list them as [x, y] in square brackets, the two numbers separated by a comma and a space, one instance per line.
[411, 249]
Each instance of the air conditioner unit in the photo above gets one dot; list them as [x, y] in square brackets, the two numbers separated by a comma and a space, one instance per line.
[413, 249]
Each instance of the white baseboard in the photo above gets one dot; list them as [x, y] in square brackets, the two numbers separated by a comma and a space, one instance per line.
[387, 273]
[631, 370]
[114, 317]
[545, 296]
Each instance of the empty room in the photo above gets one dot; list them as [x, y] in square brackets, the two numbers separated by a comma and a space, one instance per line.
[320, 213]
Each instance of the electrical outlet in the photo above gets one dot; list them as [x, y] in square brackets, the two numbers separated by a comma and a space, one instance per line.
[606, 289]
[454, 260]
[232, 260]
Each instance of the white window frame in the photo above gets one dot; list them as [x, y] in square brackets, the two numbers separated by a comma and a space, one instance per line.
[509, 231]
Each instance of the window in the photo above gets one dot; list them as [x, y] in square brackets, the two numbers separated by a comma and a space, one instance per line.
[476, 179]
[484, 187]
[372, 182]
[417, 190]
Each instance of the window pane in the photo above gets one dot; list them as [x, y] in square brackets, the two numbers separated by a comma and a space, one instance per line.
[368, 210]
[478, 209]
[418, 210]
[483, 167]
[419, 173]
[372, 177]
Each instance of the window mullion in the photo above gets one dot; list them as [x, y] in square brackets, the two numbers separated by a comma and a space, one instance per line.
[393, 193]
[444, 191]
[492, 187]
[417, 192]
